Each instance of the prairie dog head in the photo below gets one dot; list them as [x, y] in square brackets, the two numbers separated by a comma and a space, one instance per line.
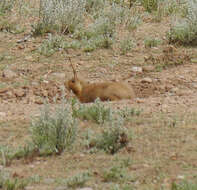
[75, 84]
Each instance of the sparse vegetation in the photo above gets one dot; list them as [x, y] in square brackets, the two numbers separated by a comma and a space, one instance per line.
[184, 30]
[100, 33]
[115, 174]
[11, 27]
[52, 44]
[6, 5]
[98, 145]
[6, 155]
[96, 112]
[150, 5]
[126, 45]
[184, 186]
[151, 42]
[78, 181]
[54, 132]
[112, 139]
[9, 183]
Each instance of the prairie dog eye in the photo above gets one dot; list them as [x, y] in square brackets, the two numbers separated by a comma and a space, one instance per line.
[72, 81]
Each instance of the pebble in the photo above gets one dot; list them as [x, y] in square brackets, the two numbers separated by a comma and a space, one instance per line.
[61, 188]
[29, 188]
[2, 114]
[148, 68]
[180, 177]
[136, 69]
[29, 58]
[58, 75]
[146, 80]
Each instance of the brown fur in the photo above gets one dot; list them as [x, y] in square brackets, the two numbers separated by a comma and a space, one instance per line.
[106, 91]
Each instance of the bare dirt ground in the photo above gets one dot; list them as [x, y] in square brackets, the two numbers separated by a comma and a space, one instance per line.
[164, 146]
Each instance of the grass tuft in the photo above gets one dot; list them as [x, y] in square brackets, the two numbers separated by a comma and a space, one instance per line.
[52, 133]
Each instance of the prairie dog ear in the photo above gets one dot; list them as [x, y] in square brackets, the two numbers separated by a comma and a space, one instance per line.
[74, 70]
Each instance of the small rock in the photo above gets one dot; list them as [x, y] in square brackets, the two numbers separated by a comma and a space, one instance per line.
[2, 114]
[146, 80]
[9, 94]
[34, 83]
[61, 188]
[29, 188]
[29, 58]
[31, 166]
[48, 180]
[174, 90]
[9, 74]
[139, 100]
[180, 177]
[148, 68]
[38, 100]
[45, 81]
[58, 75]
[136, 69]
[19, 92]
[85, 188]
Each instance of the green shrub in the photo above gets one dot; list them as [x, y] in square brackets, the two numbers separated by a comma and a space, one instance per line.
[132, 19]
[11, 27]
[115, 174]
[93, 6]
[40, 28]
[184, 31]
[112, 139]
[54, 132]
[7, 155]
[52, 44]
[6, 5]
[126, 45]
[78, 180]
[9, 183]
[65, 15]
[184, 186]
[151, 42]
[96, 112]
[150, 5]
